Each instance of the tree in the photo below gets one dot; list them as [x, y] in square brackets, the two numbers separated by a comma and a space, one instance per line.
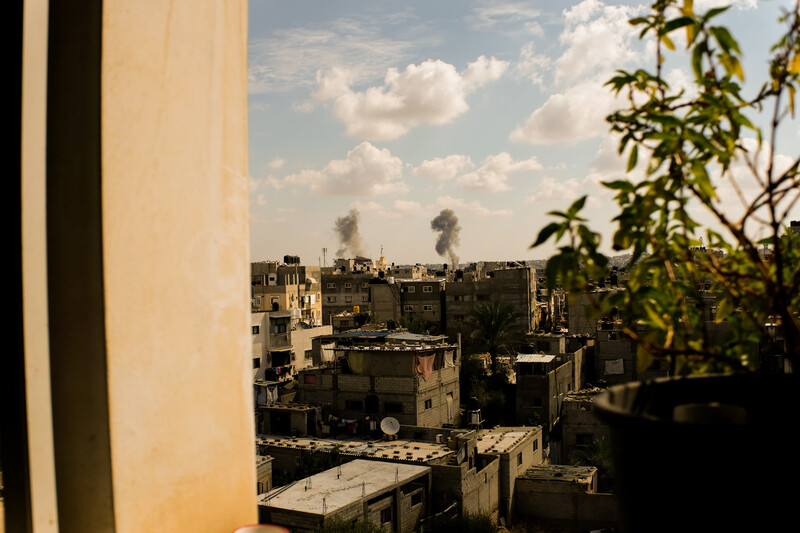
[495, 325]
[694, 141]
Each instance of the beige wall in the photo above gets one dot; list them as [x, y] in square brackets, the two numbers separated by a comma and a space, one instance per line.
[173, 211]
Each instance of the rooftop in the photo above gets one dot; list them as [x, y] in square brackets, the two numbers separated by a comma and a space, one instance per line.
[569, 474]
[399, 450]
[340, 486]
[501, 440]
[534, 358]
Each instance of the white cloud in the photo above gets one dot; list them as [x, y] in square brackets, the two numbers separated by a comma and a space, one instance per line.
[532, 65]
[703, 5]
[493, 172]
[398, 209]
[443, 168]
[367, 171]
[482, 71]
[551, 189]
[577, 114]
[431, 93]
[490, 14]
[277, 163]
[598, 38]
[261, 200]
[461, 206]
[289, 58]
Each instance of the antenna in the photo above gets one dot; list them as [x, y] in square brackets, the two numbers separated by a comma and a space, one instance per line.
[324, 253]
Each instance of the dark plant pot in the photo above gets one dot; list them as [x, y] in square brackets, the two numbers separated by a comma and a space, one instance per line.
[732, 468]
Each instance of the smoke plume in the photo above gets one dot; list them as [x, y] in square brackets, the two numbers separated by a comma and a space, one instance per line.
[346, 228]
[447, 224]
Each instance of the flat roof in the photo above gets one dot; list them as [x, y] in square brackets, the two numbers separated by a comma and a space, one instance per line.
[399, 450]
[501, 440]
[534, 358]
[340, 486]
[564, 473]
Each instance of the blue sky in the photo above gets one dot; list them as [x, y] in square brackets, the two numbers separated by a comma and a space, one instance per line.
[401, 109]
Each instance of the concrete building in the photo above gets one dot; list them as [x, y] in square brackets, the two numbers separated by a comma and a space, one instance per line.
[392, 496]
[542, 382]
[580, 428]
[474, 470]
[263, 474]
[346, 290]
[616, 359]
[421, 298]
[282, 344]
[517, 449]
[287, 287]
[564, 498]
[513, 285]
[413, 378]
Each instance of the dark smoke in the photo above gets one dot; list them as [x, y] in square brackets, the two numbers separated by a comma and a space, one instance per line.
[447, 224]
[346, 228]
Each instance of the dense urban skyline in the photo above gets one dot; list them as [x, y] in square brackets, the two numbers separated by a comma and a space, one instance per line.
[494, 110]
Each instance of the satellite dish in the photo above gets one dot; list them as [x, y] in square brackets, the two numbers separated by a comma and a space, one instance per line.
[390, 425]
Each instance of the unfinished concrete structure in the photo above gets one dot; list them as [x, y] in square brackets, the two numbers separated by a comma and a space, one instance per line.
[513, 285]
[542, 382]
[580, 428]
[413, 378]
[392, 496]
[421, 298]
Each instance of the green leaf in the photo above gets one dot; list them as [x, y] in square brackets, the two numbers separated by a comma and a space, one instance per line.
[576, 206]
[632, 158]
[725, 39]
[545, 233]
[679, 22]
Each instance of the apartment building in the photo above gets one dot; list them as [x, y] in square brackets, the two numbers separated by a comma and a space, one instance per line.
[514, 285]
[413, 378]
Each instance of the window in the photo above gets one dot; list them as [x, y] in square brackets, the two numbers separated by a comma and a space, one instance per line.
[354, 405]
[428, 404]
[427, 308]
[427, 288]
[308, 355]
[412, 289]
[331, 285]
[364, 298]
[386, 515]
[256, 362]
[348, 285]
[408, 308]
[583, 439]
[255, 330]
[535, 444]
[519, 459]
[280, 328]
[365, 285]
[348, 299]
[331, 299]
[393, 407]
[416, 498]
[458, 298]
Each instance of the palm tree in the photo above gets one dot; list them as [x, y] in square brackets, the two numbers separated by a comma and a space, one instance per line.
[495, 324]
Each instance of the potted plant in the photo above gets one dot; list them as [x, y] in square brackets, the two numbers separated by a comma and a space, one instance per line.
[714, 288]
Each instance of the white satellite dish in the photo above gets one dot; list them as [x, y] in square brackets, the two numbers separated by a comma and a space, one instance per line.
[390, 425]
